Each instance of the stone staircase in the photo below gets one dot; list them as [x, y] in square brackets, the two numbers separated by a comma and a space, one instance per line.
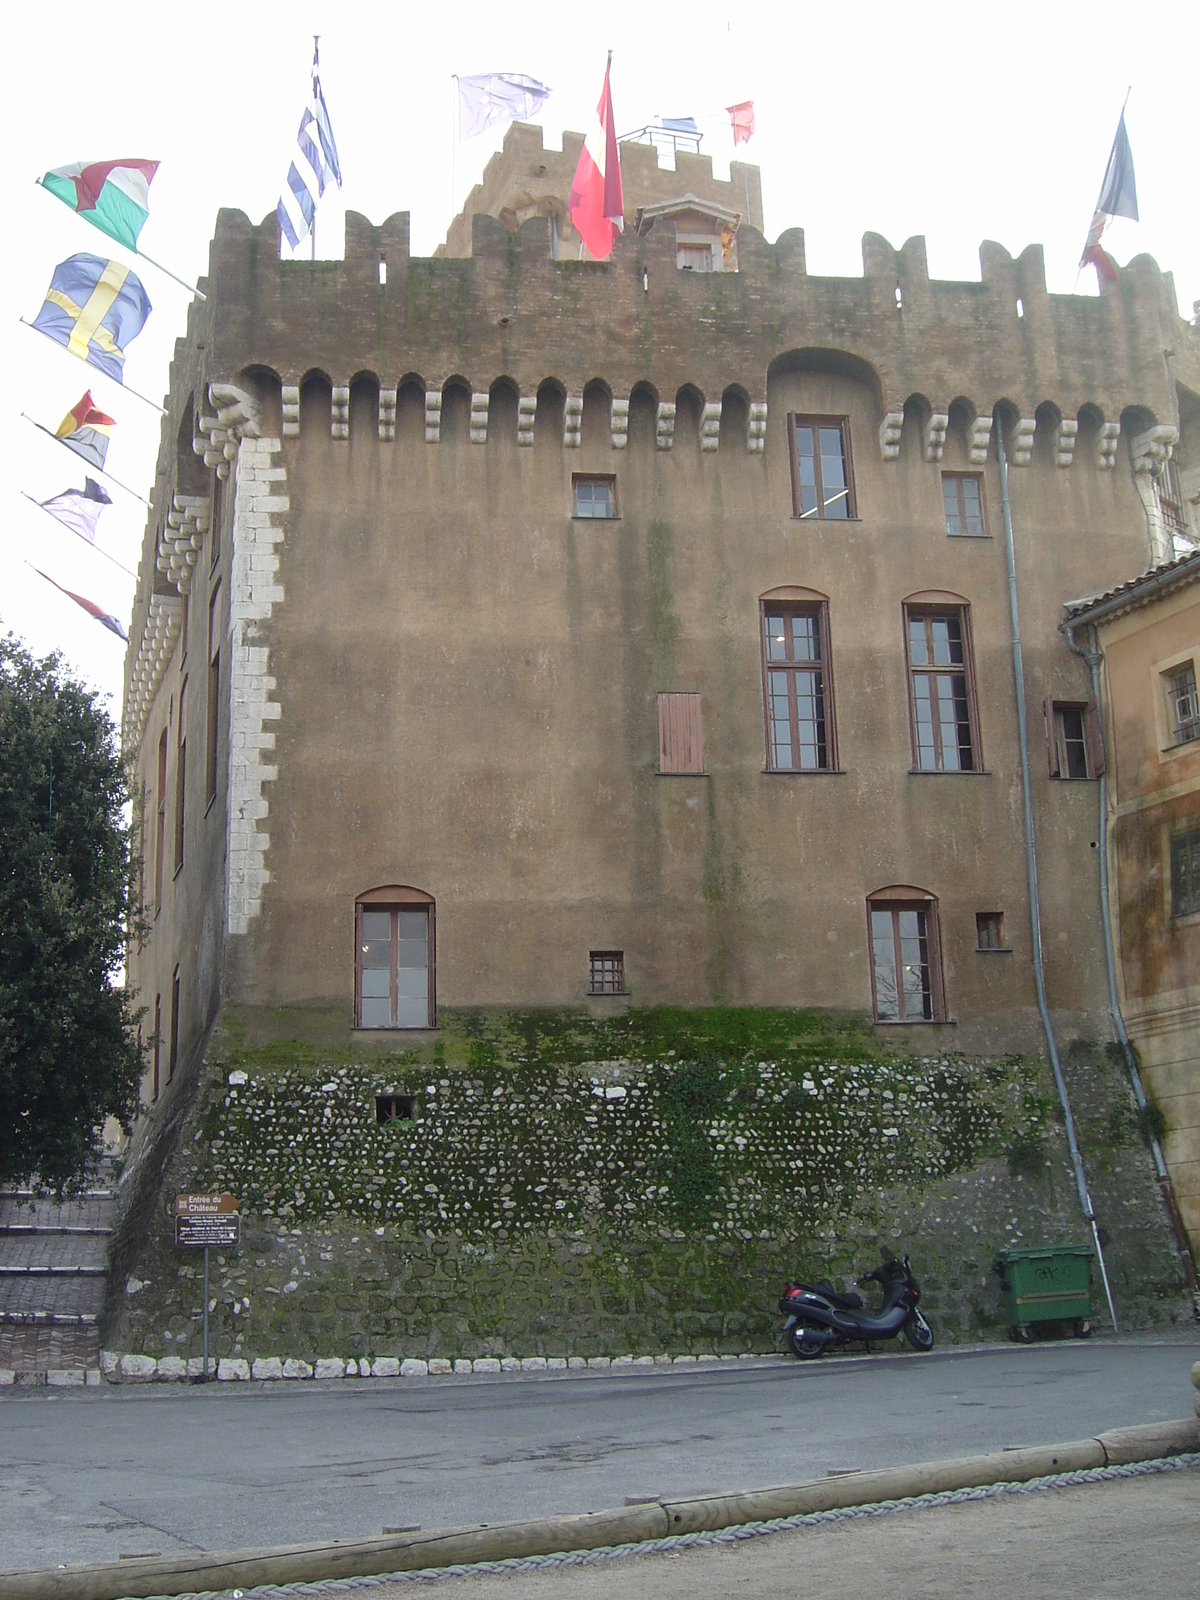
[53, 1267]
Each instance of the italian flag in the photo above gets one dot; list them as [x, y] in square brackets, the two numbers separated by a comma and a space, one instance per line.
[597, 206]
[113, 196]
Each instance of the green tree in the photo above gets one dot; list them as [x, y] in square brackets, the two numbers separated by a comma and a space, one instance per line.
[68, 1056]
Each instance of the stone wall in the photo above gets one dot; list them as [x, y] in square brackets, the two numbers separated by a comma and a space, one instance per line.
[572, 1186]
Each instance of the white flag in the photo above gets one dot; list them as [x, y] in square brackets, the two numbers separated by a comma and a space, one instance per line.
[492, 97]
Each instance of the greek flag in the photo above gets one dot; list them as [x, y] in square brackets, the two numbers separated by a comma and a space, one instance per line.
[316, 161]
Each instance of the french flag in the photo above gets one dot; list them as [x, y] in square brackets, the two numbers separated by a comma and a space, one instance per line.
[597, 205]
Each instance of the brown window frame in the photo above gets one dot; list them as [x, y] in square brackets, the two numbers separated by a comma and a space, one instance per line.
[609, 479]
[157, 1039]
[184, 626]
[987, 923]
[1186, 840]
[393, 899]
[181, 778]
[160, 825]
[799, 602]
[798, 419]
[599, 963]
[680, 734]
[212, 717]
[894, 901]
[221, 493]
[958, 479]
[936, 608]
[1057, 751]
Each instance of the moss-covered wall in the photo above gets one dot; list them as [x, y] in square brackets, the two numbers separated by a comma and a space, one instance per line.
[568, 1185]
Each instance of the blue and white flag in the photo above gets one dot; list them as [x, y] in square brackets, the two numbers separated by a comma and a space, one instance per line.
[315, 162]
[492, 97]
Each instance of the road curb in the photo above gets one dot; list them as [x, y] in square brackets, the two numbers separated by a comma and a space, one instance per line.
[247, 1569]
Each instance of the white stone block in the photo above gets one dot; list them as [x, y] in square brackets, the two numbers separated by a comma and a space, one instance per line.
[556, 1363]
[709, 1359]
[65, 1378]
[138, 1369]
[109, 1361]
[296, 1369]
[171, 1369]
[599, 1361]
[485, 1364]
[266, 1367]
[533, 1364]
[411, 1367]
[662, 1361]
[510, 1364]
[331, 1367]
[7, 1377]
[385, 1367]
[684, 1361]
[622, 1361]
[233, 1369]
[91, 1377]
[462, 1366]
[439, 1366]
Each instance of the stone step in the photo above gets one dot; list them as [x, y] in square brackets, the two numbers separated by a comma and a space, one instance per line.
[41, 1271]
[20, 1230]
[47, 1296]
[53, 1252]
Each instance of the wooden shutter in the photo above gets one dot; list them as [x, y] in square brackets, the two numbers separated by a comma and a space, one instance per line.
[1051, 736]
[1094, 730]
[680, 747]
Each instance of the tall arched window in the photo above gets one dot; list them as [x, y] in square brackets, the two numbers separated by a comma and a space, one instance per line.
[394, 965]
[906, 955]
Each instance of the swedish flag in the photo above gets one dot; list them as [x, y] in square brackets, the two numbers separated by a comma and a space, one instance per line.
[94, 307]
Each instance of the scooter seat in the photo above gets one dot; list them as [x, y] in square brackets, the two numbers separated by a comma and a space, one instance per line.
[848, 1302]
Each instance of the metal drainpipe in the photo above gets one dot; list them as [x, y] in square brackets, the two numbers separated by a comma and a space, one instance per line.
[1035, 915]
[1094, 659]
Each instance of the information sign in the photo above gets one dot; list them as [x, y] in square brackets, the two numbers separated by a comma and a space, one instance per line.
[203, 1220]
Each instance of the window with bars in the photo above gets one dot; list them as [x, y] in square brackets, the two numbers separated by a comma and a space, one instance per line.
[906, 978]
[680, 742]
[822, 478]
[941, 679]
[1170, 500]
[801, 736]
[1183, 706]
[594, 497]
[606, 972]
[1185, 873]
[394, 960]
[962, 493]
[1075, 743]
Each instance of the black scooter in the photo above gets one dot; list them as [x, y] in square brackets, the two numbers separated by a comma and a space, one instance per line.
[820, 1319]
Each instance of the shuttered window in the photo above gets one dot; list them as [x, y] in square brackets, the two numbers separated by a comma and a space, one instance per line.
[680, 745]
[1074, 740]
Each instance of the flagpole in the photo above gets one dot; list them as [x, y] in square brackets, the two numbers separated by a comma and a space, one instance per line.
[316, 58]
[84, 459]
[79, 535]
[124, 637]
[137, 395]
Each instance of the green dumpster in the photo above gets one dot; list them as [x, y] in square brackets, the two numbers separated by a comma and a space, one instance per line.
[1047, 1285]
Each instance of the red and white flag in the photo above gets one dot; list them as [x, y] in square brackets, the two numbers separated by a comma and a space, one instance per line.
[741, 117]
[597, 206]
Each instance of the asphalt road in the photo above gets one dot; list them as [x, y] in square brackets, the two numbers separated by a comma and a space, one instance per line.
[94, 1474]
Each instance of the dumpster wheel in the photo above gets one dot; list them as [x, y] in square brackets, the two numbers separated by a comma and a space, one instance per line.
[1082, 1328]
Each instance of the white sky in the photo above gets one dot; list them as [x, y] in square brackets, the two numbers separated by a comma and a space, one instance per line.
[964, 123]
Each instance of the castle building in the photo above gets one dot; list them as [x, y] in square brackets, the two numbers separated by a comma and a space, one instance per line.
[513, 630]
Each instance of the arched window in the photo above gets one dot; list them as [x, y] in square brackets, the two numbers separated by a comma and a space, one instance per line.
[906, 955]
[394, 966]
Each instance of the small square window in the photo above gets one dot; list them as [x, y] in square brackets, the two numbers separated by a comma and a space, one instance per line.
[1183, 706]
[393, 1108]
[962, 493]
[989, 930]
[607, 972]
[594, 497]
[1185, 874]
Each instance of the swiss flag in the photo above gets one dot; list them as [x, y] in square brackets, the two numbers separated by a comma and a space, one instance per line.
[597, 206]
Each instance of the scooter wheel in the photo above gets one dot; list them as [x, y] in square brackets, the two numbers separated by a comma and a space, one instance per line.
[918, 1332]
[806, 1350]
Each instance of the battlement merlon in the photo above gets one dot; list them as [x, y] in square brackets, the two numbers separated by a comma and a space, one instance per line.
[523, 179]
[509, 309]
